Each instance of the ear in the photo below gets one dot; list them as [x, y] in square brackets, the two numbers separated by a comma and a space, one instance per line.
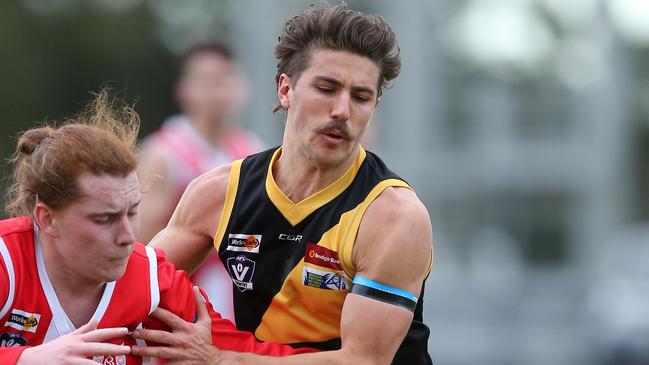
[283, 90]
[44, 218]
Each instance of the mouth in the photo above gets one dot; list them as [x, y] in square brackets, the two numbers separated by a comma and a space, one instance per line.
[335, 135]
[118, 260]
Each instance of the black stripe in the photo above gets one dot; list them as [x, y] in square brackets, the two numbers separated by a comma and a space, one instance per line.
[386, 297]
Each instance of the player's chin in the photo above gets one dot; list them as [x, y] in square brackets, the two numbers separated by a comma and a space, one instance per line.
[334, 156]
[114, 269]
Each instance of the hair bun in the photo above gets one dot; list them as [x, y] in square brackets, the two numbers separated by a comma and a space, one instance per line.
[31, 139]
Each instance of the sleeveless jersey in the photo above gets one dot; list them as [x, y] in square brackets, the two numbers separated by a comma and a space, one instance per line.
[291, 264]
[31, 314]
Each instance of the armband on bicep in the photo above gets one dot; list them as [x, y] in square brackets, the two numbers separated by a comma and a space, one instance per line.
[371, 289]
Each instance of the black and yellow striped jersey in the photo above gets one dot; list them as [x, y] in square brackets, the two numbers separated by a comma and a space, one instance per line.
[291, 263]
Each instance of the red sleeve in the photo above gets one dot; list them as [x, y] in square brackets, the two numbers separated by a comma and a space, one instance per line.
[176, 296]
[4, 288]
[10, 355]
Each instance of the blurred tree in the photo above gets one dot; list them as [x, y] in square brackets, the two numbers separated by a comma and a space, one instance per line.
[51, 62]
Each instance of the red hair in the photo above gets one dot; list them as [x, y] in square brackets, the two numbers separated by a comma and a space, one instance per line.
[49, 159]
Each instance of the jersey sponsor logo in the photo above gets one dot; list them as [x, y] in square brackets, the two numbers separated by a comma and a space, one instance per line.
[23, 321]
[12, 339]
[322, 256]
[244, 242]
[241, 270]
[289, 237]
[110, 359]
[330, 280]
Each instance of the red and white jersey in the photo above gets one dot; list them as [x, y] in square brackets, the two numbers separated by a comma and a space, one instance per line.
[31, 314]
[188, 155]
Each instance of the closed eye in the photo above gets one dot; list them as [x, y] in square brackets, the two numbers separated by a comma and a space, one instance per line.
[325, 90]
[104, 219]
[361, 98]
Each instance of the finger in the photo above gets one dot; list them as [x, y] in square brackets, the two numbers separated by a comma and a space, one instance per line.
[103, 334]
[171, 320]
[91, 325]
[154, 351]
[94, 348]
[159, 336]
[202, 315]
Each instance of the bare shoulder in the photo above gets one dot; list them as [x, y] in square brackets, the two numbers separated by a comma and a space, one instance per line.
[394, 241]
[214, 180]
[204, 195]
[188, 235]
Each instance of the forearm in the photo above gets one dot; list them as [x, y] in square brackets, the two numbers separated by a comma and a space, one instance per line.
[318, 358]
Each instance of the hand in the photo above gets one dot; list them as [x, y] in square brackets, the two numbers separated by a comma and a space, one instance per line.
[187, 343]
[77, 347]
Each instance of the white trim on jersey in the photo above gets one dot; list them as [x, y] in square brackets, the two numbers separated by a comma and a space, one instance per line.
[154, 286]
[6, 257]
[60, 319]
[153, 277]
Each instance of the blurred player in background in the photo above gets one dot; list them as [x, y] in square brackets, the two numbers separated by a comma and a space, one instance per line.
[209, 91]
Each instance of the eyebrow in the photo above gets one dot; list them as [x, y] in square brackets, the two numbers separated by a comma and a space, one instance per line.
[115, 211]
[338, 83]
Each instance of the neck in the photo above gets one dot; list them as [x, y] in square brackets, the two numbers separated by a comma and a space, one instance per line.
[208, 128]
[299, 177]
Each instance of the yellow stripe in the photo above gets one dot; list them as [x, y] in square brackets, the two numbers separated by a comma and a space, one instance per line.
[347, 243]
[230, 194]
[296, 212]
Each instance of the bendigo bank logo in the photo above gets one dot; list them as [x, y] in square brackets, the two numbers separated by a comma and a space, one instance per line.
[244, 242]
[23, 321]
[322, 269]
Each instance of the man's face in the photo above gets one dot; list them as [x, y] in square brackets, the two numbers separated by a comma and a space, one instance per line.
[329, 105]
[95, 234]
[209, 87]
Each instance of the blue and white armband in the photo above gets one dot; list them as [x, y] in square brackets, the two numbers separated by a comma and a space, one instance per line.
[371, 289]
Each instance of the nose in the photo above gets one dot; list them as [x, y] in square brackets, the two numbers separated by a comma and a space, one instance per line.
[340, 107]
[127, 232]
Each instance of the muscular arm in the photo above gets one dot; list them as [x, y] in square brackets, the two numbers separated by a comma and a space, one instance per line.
[187, 239]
